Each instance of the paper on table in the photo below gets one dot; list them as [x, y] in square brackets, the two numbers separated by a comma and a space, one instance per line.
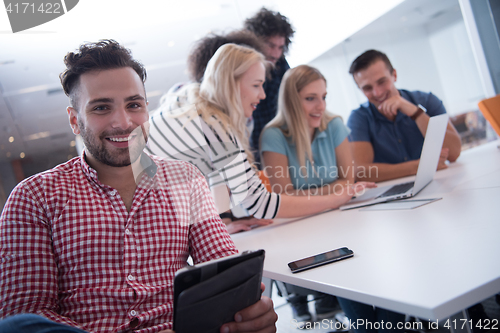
[400, 204]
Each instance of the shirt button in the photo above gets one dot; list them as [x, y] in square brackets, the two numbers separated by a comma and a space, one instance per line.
[406, 158]
[130, 277]
[133, 313]
[113, 193]
[127, 232]
[399, 140]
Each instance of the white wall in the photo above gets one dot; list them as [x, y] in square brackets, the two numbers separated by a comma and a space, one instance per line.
[435, 57]
[461, 83]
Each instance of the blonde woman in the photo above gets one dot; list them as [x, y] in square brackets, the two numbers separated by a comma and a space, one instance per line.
[305, 149]
[212, 133]
[312, 146]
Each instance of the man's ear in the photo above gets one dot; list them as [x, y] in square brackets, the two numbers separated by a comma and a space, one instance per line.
[73, 120]
[355, 81]
[395, 75]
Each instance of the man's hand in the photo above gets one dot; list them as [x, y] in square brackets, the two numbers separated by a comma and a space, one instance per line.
[246, 224]
[259, 317]
[359, 188]
[348, 191]
[390, 107]
[442, 159]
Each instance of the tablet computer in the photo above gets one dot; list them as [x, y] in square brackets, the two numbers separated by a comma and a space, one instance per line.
[209, 294]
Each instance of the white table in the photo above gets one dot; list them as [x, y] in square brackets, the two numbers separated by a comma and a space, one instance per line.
[430, 262]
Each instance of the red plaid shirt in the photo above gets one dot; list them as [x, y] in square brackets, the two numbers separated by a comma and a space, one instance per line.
[70, 250]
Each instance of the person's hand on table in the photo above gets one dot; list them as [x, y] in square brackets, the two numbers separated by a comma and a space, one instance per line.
[359, 188]
[442, 159]
[245, 224]
[259, 317]
[349, 190]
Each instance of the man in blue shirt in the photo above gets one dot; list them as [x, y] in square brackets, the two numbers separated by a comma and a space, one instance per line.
[387, 132]
[275, 31]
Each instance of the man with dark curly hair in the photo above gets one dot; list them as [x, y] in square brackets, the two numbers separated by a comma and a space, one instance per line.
[275, 31]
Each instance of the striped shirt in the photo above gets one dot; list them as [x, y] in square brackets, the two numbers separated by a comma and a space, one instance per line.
[70, 250]
[216, 152]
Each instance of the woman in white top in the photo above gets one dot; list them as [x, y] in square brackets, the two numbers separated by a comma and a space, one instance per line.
[212, 133]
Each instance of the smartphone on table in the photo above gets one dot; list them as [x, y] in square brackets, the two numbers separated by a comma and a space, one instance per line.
[320, 259]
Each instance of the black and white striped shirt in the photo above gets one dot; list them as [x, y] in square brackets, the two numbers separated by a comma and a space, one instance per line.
[217, 153]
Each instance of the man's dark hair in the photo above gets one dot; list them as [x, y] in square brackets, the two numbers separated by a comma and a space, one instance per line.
[205, 48]
[103, 55]
[366, 59]
[267, 23]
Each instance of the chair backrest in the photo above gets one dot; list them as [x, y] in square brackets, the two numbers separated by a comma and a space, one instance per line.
[490, 108]
[263, 177]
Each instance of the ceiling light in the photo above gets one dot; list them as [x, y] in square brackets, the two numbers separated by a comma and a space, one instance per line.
[28, 90]
[155, 93]
[72, 143]
[37, 136]
[6, 62]
[22, 155]
[8, 154]
[11, 139]
[171, 43]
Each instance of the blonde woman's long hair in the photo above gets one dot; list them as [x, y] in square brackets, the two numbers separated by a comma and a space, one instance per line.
[290, 118]
[219, 92]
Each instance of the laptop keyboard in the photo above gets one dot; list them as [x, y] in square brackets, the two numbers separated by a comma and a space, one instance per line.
[397, 189]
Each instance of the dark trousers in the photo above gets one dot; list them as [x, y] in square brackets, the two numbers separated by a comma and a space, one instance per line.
[373, 317]
[31, 323]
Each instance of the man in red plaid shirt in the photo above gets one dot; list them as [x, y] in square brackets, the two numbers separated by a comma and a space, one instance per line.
[94, 243]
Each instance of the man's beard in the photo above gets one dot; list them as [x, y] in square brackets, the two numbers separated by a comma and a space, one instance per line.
[121, 157]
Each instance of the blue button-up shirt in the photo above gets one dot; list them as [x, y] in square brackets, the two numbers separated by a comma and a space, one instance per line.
[393, 141]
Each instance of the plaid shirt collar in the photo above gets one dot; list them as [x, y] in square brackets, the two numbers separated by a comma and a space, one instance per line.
[145, 173]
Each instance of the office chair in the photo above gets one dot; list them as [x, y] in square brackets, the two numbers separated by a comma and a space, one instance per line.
[263, 177]
[490, 107]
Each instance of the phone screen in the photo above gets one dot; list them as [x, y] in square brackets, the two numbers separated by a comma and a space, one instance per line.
[320, 259]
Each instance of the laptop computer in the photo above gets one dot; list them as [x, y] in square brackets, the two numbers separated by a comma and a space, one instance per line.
[429, 159]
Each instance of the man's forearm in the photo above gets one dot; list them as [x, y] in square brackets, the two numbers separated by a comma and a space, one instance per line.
[379, 172]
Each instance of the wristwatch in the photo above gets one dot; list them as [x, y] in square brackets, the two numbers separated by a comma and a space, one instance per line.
[228, 214]
[420, 110]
